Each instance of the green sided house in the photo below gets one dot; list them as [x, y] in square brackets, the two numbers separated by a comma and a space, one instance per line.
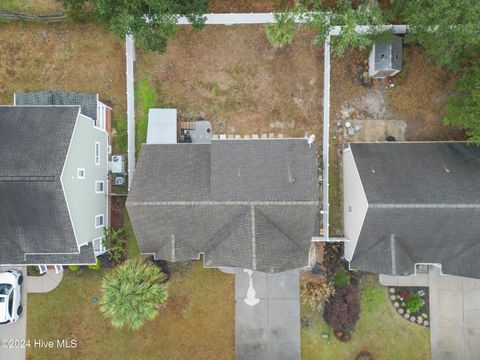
[53, 179]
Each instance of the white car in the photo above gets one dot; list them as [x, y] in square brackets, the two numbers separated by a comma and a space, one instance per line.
[10, 296]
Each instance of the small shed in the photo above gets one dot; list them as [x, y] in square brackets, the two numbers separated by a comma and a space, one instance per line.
[385, 58]
[162, 126]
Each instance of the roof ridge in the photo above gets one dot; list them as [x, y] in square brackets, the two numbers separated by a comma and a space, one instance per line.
[221, 239]
[278, 228]
[28, 178]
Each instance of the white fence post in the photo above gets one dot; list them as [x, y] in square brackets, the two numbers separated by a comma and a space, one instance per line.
[130, 58]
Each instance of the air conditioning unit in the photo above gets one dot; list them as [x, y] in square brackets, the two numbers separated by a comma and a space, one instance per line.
[117, 164]
[119, 180]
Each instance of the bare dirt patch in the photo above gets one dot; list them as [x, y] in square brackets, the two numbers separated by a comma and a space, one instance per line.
[418, 98]
[234, 78]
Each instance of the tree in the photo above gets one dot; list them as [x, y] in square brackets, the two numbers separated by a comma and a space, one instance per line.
[463, 106]
[151, 22]
[132, 293]
[449, 30]
[345, 14]
[282, 31]
[343, 310]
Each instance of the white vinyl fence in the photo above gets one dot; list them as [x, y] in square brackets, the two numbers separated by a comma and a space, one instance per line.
[130, 58]
[244, 19]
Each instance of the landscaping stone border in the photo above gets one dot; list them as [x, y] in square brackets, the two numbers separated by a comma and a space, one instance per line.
[423, 316]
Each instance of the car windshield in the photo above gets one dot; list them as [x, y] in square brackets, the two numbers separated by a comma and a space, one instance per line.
[5, 289]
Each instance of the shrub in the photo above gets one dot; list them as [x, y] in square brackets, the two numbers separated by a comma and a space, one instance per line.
[342, 311]
[463, 106]
[97, 265]
[282, 31]
[132, 293]
[74, 267]
[342, 278]
[315, 294]
[414, 303]
[115, 244]
[405, 294]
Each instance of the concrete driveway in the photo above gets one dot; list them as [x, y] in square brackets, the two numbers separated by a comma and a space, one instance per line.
[455, 317]
[14, 350]
[267, 315]
[454, 313]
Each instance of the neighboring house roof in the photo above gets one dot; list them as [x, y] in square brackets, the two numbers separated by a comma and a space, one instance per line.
[87, 102]
[423, 207]
[243, 203]
[34, 216]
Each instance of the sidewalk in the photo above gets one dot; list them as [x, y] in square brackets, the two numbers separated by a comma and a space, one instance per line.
[44, 283]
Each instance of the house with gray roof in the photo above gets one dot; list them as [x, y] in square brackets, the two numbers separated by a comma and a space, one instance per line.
[246, 203]
[90, 104]
[412, 203]
[53, 185]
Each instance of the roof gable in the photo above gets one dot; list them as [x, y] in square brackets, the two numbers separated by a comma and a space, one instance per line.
[34, 217]
[428, 196]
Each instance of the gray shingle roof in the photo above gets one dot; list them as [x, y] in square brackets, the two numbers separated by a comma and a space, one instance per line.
[243, 203]
[87, 102]
[34, 216]
[423, 207]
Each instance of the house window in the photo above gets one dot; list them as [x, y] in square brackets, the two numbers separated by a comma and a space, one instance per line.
[350, 209]
[80, 173]
[99, 221]
[99, 187]
[97, 153]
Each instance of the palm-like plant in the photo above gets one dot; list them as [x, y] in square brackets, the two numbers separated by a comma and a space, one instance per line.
[132, 293]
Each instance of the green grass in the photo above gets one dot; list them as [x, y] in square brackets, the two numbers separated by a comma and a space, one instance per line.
[198, 321]
[120, 145]
[380, 330]
[146, 98]
[335, 192]
[132, 248]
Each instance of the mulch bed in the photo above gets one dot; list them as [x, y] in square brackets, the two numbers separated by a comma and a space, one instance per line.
[117, 211]
[396, 300]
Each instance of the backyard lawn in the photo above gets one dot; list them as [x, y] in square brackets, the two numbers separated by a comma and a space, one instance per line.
[65, 56]
[198, 319]
[380, 331]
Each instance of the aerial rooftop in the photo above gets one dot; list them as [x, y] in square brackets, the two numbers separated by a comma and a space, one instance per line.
[243, 203]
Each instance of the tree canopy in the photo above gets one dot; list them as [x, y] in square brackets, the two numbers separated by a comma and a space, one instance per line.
[151, 22]
[463, 106]
[342, 311]
[132, 293]
[346, 13]
[449, 30]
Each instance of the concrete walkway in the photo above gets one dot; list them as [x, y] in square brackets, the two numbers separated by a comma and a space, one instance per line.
[454, 313]
[267, 315]
[44, 283]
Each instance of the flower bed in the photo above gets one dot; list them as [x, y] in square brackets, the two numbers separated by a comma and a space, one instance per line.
[411, 303]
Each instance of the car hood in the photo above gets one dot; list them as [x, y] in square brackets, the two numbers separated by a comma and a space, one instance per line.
[7, 278]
